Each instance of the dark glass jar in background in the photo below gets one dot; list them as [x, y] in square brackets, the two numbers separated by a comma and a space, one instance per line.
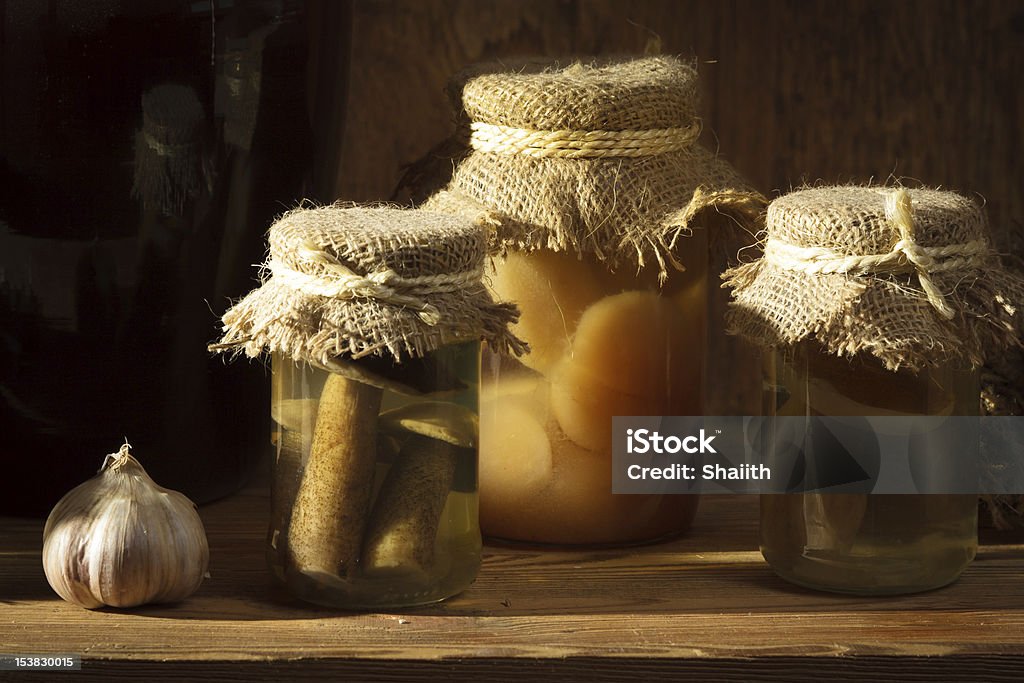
[146, 147]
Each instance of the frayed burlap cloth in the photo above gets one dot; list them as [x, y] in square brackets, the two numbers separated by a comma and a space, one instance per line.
[168, 155]
[907, 275]
[351, 282]
[598, 159]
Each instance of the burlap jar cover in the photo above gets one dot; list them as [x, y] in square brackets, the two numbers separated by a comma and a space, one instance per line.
[350, 282]
[907, 275]
[587, 174]
[594, 159]
[169, 165]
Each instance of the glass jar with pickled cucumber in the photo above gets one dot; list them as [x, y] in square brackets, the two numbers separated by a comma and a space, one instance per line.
[374, 501]
[374, 319]
[602, 344]
[859, 542]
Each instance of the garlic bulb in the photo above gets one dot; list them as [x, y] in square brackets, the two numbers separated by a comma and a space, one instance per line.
[121, 540]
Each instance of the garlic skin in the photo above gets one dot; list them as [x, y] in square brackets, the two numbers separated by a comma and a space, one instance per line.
[121, 540]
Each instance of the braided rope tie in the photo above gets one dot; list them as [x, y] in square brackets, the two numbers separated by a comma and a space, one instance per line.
[164, 149]
[906, 256]
[337, 281]
[580, 144]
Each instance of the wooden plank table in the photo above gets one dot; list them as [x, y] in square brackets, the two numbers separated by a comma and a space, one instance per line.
[705, 605]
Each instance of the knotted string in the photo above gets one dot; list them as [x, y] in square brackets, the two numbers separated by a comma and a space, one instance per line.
[905, 256]
[337, 281]
[166, 149]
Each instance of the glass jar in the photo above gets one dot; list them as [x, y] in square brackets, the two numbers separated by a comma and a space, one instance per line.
[869, 544]
[144, 147]
[374, 498]
[601, 344]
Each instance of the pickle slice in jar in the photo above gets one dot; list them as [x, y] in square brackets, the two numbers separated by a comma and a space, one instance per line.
[441, 420]
[325, 531]
[295, 414]
[403, 525]
[402, 529]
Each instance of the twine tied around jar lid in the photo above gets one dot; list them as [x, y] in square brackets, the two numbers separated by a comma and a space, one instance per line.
[906, 255]
[337, 281]
[908, 275]
[581, 144]
[597, 159]
[349, 282]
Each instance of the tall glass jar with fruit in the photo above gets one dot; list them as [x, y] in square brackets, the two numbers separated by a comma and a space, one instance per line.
[601, 207]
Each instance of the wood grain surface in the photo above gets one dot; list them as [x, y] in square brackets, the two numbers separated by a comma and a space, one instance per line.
[703, 603]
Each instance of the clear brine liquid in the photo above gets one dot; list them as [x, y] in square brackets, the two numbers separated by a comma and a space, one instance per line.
[454, 560]
[857, 543]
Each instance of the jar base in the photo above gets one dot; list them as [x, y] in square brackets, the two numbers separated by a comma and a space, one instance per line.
[876, 576]
[864, 591]
[375, 594]
[324, 599]
[596, 545]
[863, 544]
[624, 524]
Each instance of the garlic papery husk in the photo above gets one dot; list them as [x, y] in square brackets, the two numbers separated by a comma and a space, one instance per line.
[121, 540]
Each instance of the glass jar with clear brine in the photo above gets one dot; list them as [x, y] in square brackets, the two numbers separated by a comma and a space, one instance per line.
[140, 143]
[875, 301]
[861, 542]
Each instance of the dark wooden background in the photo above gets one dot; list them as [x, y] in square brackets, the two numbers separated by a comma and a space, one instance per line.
[794, 92]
